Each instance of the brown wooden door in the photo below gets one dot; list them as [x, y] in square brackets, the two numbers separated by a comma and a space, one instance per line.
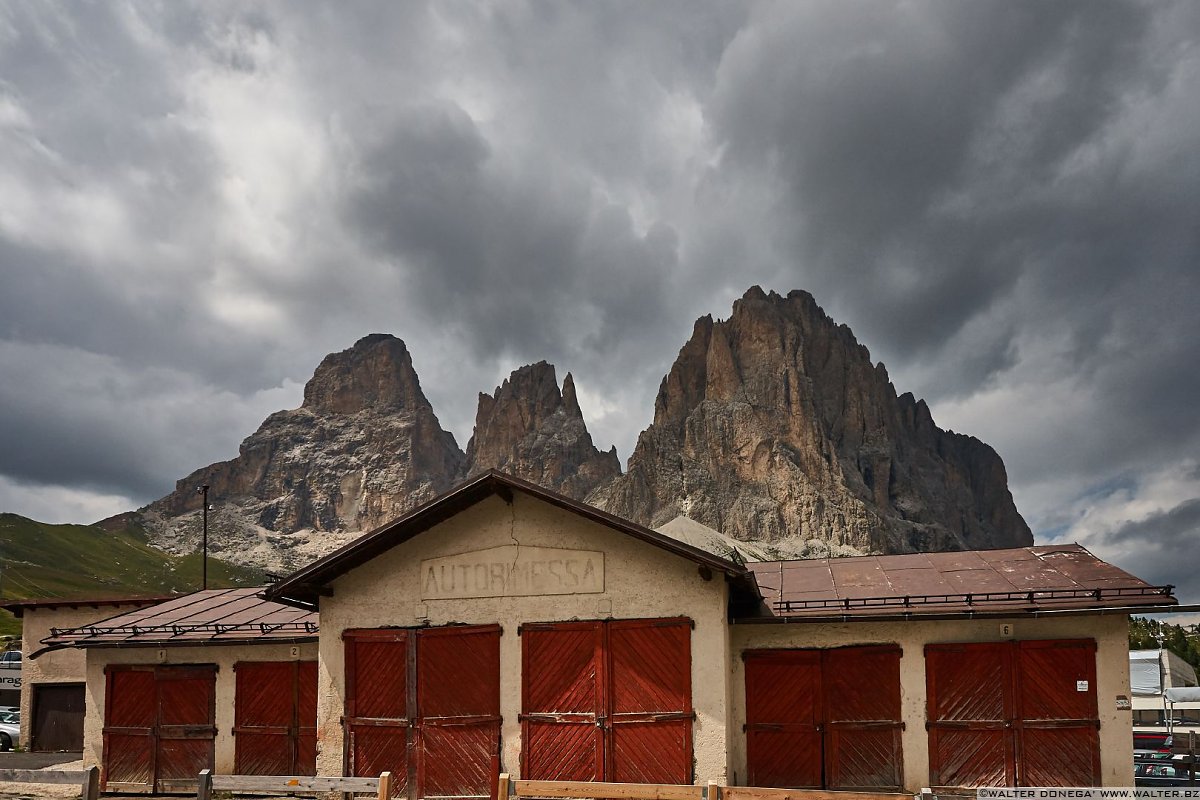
[159, 727]
[607, 701]
[824, 718]
[130, 717]
[1057, 718]
[274, 712]
[425, 705]
[58, 712]
[458, 700]
[562, 679]
[1013, 714]
[784, 718]
[969, 696]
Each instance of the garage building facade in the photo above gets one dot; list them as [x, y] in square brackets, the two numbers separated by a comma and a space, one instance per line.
[505, 628]
[615, 652]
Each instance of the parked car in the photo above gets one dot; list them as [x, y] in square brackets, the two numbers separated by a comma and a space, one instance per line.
[10, 658]
[10, 730]
[1160, 742]
[1159, 775]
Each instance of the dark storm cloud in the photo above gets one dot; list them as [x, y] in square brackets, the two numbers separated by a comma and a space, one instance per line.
[1160, 549]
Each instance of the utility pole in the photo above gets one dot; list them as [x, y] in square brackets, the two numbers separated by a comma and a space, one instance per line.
[204, 544]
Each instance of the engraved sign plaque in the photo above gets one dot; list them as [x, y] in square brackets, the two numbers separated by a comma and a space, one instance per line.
[512, 571]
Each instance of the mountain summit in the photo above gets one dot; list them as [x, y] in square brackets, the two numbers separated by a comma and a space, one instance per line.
[772, 427]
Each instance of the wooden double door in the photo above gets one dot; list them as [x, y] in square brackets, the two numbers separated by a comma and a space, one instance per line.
[607, 701]
[824, 718]
[424, 704]
[1013, 713]
[159, 726]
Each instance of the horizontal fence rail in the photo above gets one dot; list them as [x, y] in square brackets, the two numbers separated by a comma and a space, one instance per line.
[292, 784]
[87, 779]
[509, 789]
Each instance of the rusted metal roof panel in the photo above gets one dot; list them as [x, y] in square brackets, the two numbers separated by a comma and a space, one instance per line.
[1016, 581]
[213, 616]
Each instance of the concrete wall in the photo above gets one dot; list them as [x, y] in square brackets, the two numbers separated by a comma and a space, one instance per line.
[1112, 676]
[640, 581]
[224, 656]
[56, 666]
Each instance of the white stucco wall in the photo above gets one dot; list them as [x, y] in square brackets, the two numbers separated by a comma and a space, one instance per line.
[1112, 676]
[56, 666]
[224, 656]
[641, 581]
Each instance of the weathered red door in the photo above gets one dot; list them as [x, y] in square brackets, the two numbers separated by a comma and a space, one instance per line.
[425, 705]
[784, 718]
[458, 700]
[275, 718]
[824, 718]
[562, 732]
[969, 716]
[607, 701]
[377, 719]
[1013, 714]
[1057, 718]
[130, 716]
[159, 727]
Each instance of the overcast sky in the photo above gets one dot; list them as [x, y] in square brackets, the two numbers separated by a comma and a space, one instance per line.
[1002, 200]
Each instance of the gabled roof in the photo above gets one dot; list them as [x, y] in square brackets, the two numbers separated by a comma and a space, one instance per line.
[1062, 577]
[303, 587]
[212, 616]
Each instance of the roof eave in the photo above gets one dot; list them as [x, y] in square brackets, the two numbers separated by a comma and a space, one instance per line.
[303, 587]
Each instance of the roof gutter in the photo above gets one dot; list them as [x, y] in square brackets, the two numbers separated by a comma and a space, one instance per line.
[1026, 614]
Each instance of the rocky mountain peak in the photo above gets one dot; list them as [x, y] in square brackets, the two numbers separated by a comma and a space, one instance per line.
[531, 429]
[775, 426]
[376, 373]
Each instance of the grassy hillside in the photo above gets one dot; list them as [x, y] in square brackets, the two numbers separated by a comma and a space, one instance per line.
[40, 560]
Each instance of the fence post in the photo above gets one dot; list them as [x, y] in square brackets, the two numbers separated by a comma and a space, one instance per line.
[385, 785]
[204, 786]
[91, 783]
[713, 792]
[503, 786]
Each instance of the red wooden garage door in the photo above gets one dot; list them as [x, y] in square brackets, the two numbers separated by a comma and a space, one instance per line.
[275, 718]
[159, 727]
[1013, 714]
[607, 701]
[425, 705]
[824, 718]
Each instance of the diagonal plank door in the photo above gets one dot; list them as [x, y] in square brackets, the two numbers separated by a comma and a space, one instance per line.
[424, 704]
[824, 718]
[607, 701]
[784, 718]
[1013, 713]
[274, 712]
[562, 729]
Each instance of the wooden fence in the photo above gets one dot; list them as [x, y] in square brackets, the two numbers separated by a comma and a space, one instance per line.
[509, 789]
[87, 779]
[381, 787]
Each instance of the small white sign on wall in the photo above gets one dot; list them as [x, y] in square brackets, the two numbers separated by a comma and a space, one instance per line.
[162, 655]
[1007, 630]
[295, 651]
[1081, 686]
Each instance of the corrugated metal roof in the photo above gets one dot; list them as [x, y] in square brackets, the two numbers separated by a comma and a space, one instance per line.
[1049, 577]
[213, 616]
